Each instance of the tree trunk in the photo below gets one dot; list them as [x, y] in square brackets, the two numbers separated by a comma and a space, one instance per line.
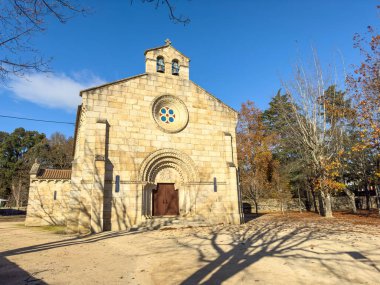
[308, 199]
[16, 196]
[299, 200]
[378, 197]
[351, 195]
[256, 206]
[367, 197]
[321, 204]
[326, 200]
[316, 209]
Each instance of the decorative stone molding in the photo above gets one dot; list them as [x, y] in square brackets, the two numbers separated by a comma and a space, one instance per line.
[56, 180]
[80, 126]
[168, 158]
[170, 113]
[206, 183]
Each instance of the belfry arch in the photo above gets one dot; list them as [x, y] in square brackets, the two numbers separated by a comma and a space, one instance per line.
[168, 166]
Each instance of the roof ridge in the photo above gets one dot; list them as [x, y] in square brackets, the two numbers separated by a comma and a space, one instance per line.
[164, 46]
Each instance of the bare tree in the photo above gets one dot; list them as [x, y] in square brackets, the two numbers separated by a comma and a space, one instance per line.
[61, 149]
[19, 21]
[319, 140]
[19, 189]
[16, 194]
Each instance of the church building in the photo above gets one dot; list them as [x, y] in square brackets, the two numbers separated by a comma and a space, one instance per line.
[148, 148]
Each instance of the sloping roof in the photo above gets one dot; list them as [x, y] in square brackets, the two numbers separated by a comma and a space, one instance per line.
[160, 47]
[54, 174]
[111, 83]
[216, 98]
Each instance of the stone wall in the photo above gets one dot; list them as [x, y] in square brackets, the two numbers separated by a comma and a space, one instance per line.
[47, 203]
[339, 203]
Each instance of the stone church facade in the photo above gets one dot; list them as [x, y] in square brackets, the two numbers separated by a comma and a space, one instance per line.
[151, 146]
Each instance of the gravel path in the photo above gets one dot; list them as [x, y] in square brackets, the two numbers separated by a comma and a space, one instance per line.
[272, 249]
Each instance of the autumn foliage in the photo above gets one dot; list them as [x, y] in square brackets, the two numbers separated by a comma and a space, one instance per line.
[259, 171]
[316, 137]
[364, 85]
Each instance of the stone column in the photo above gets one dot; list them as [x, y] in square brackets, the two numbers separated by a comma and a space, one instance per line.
[234, 195]
[233, 189]
[77, 215]
[97, 194]
[32, 218]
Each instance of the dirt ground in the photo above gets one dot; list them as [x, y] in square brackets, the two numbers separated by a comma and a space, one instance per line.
[270, 249]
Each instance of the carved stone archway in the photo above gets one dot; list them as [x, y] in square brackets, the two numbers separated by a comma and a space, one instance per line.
[168, 158]
[167, 165]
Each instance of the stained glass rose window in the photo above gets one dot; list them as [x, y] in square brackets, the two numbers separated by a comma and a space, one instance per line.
[170, 113]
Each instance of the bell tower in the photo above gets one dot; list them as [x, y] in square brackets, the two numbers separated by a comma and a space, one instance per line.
[167, 60]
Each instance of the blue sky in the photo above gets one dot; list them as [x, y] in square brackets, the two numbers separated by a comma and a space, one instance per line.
[239, 50]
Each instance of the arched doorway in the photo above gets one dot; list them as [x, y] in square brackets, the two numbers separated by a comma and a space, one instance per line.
[167, 175]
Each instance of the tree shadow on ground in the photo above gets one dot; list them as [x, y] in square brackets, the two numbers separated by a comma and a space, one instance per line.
[250, 217]
[359, 256]
[236, 249]
[91, 238]
[11, 273]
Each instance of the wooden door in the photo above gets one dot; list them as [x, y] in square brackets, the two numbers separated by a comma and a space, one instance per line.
[171, 196]
[165, 200]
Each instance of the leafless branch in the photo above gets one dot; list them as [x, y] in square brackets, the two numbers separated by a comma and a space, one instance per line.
[171, 8]
[19, 21]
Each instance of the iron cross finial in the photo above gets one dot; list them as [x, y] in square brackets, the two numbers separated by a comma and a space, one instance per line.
[168, 42]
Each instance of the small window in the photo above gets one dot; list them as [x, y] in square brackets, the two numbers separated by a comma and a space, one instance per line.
[160, 64]
[55, 195]
[117, 184]
[175, 67]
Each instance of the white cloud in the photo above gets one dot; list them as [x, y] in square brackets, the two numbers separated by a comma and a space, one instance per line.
[53, 90]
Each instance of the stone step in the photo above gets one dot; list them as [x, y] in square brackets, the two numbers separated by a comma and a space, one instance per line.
[173, 222]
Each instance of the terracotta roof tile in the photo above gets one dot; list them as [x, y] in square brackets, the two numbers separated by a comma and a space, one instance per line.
[54, 174]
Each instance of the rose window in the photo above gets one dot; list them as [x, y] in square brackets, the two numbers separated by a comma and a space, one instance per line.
[170, 113]
[167, 115]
